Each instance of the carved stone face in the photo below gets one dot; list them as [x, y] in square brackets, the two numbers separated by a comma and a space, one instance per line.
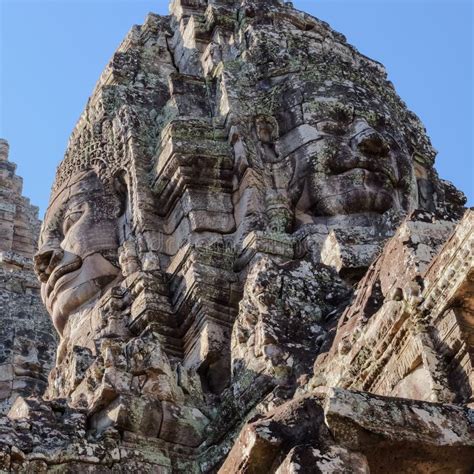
[352, 165]
[77, 258]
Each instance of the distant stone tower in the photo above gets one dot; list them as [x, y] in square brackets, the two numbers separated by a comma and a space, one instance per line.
[27, 338]
[19, 223]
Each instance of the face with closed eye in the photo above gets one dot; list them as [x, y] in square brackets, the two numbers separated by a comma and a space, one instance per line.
[77, 258]
[353, 165]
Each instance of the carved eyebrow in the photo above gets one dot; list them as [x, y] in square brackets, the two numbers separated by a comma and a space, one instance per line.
[71, 212]
[77, 200]
[55, 219]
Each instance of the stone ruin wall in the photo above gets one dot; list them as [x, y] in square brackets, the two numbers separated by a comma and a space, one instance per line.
[27, 339]
[251, 263]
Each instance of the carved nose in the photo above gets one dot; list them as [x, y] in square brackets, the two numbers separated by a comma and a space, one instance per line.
[45, 261]
[371, 143]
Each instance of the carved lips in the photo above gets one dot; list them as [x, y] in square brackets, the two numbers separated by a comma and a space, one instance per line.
[60, 272]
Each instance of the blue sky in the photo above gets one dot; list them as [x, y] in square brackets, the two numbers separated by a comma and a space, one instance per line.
[53, 51]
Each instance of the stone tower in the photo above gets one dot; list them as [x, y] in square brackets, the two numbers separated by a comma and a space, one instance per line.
[19, 224]
[251, 263]
[27, 339]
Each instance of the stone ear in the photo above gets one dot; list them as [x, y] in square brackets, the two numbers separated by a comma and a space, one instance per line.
[120, 186]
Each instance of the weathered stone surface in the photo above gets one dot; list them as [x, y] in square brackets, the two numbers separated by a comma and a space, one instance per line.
[27, 339]
[19, 224]
[247, 258]
[383, 343]
[397, 435]
[344, 431]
